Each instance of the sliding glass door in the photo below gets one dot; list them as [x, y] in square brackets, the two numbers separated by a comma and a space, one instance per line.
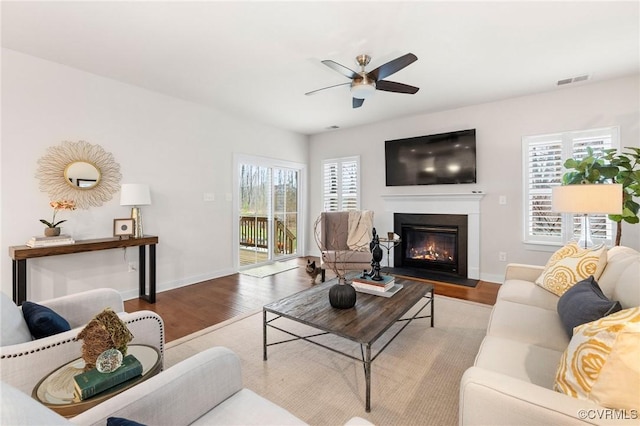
[268, 200]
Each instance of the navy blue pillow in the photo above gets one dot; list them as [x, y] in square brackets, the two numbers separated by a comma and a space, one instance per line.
[42, 321]
[583, 303]
[119, 421]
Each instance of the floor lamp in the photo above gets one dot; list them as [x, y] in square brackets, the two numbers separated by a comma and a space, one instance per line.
[135, 195]
[586, 199]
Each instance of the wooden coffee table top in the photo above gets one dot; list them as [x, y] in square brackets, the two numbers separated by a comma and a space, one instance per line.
[364, 323]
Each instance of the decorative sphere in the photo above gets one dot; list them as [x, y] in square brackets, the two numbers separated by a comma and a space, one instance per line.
[342, 296]
[109, 361]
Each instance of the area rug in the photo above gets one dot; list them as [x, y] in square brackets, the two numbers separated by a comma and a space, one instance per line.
[415, 380]
[271, 269]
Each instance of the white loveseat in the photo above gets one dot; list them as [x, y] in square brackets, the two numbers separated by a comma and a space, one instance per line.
[25, 362]
[512, 380]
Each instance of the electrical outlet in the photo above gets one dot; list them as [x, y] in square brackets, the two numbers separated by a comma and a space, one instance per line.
[502, 256]
[132, 267]
[502, 200]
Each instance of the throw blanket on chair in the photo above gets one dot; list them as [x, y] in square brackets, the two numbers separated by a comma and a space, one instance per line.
[359, 232]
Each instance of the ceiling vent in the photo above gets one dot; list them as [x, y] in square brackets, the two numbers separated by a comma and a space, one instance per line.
[334, 127]
[573, 80]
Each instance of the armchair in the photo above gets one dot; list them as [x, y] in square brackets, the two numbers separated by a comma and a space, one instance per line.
[24, 362]
[205, 389]
[343, 247]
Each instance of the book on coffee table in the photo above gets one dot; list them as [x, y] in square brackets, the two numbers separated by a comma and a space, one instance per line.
[393, 290]
[385, 284]
[93, 382]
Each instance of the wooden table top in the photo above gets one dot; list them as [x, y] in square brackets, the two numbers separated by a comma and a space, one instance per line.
[364, 323]
[25, 252]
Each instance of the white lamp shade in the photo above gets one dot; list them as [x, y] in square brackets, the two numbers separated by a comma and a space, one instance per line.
[135, 194]
[587, 198]
[363, 91]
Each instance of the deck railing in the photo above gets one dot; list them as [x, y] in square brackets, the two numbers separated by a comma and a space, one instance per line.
[254, 232]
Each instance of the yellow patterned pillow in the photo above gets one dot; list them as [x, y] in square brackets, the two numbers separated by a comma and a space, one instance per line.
[601, 362]
[570, 265]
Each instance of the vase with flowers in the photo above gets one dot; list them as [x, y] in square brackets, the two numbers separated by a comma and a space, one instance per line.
[52, 228]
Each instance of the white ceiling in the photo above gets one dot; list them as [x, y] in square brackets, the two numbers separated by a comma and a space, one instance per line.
[258, 58]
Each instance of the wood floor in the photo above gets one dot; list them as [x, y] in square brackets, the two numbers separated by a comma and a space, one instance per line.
[197, 306]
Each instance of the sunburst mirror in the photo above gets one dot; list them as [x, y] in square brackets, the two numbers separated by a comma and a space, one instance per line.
[79, 171]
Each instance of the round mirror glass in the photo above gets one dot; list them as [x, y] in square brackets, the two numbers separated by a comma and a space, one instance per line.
[82, 175]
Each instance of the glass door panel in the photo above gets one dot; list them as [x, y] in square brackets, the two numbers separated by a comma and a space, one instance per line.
[285, 212]
[255, 208]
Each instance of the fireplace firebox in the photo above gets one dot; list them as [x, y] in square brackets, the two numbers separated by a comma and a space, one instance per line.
[432, 242]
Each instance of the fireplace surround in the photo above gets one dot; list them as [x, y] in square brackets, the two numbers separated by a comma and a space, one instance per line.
[447, 204]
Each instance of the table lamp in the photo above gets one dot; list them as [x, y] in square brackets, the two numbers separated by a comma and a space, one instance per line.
[135, 195]
[587, 199]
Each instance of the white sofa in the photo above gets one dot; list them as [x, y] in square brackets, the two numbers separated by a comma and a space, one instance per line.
[205, 389]
[511, 382]
[24, 364]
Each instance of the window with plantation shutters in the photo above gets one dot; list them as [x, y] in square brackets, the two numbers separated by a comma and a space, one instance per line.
[543, 159]
[341, 184]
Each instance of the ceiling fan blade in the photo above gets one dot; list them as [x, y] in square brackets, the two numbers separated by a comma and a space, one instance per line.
[349, 73]
[385, 70]
[357, 103]
[313, 92]
[392, 86]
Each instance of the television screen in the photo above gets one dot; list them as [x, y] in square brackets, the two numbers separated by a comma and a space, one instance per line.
[432, 160]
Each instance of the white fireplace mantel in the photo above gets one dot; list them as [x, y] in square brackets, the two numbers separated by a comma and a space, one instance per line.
[446, 203]
[462, 203]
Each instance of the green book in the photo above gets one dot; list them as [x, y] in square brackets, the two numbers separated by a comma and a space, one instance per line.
[93, 382]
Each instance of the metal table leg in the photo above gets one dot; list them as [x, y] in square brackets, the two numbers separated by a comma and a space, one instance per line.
[367, 378]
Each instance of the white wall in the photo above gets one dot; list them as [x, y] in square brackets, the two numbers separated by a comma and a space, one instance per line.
[181, 149]
[500, 128]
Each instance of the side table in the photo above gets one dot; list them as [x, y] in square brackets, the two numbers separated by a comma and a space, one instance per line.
[55, 390]
[389, 244]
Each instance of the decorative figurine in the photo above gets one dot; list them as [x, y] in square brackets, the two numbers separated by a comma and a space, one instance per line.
[376, 252]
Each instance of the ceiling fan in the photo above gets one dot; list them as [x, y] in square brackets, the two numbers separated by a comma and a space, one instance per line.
[364, 84]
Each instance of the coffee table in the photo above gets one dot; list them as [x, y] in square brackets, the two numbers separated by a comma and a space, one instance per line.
[55, 390]
[363, 324]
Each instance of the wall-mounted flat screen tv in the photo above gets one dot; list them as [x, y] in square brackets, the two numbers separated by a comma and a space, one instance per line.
[444, 158]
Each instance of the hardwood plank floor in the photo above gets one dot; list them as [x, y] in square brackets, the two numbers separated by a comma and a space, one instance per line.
[197, 306]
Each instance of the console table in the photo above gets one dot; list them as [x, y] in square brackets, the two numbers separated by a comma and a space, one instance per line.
[20, 254]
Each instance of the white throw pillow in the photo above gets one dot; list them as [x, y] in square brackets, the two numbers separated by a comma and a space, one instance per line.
[14, 327]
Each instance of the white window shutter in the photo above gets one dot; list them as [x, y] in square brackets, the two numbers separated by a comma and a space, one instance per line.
[330, 185]
[543, 159]
[544, 166]
[341, 184]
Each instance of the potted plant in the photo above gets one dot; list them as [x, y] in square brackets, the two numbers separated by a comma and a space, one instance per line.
[613, 167]
[52, 228]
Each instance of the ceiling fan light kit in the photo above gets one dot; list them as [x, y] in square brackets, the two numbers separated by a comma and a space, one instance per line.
[363, 90]
[364, 84]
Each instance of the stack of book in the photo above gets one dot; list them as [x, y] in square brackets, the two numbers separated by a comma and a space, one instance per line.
[60, 240]
[366, 283]
[92, 382]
